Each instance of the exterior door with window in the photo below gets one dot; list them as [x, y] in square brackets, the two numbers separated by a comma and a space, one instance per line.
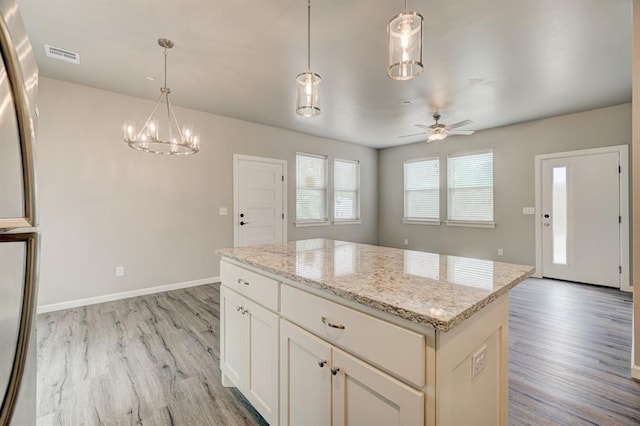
[581, 218]
[260, 200]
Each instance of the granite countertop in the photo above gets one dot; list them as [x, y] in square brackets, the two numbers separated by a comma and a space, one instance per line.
[435, 290]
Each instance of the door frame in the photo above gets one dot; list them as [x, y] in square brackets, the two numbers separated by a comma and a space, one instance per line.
[623, 198]
[236, 211]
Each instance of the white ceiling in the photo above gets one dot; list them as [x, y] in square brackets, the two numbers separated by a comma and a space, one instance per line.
[496, 62]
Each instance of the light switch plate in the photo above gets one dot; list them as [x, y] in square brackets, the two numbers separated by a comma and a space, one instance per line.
[528, 210]
[223, 211]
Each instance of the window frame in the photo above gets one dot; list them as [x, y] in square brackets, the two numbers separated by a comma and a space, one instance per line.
[357, 218]
[314, 222]
[464, 222]
[416, 220]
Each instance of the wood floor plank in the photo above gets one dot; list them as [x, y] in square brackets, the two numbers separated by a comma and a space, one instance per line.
[570, 355]
[154, 360]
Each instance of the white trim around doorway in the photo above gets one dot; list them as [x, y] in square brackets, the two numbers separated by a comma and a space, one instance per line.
[623, 150]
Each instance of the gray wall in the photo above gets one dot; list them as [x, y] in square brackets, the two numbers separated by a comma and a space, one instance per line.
[104, 205]
[514, 148]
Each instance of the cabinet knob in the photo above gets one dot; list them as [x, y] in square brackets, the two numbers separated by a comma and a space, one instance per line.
[334, 370]
[244, 311]
[239, 308]
[322, 362]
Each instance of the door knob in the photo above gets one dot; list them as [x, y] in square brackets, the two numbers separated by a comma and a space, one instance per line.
[243, 223]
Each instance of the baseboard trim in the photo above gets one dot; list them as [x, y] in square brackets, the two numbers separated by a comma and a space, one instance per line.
[635, 373]
[123, 295]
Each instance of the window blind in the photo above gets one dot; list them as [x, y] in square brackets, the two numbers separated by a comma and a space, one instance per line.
[470, 187]
[422, 189]
[346, 190]
[311, 188]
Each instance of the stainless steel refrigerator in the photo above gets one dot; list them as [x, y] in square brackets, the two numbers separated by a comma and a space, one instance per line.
[18, 220]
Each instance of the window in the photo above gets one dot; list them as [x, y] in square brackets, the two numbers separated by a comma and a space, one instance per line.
[311, 192]
[422, 190]
[470, 182]
[346, 190]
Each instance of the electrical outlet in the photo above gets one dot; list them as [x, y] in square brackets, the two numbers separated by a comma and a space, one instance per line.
[478, 361]
[406, 241]
[119, 271]
[500, 252]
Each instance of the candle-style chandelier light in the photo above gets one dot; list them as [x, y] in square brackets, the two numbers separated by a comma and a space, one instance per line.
[179, 140]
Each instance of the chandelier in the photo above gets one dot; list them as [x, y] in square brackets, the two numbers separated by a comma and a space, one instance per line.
[404, 33]
[179, 141]
[308, 103]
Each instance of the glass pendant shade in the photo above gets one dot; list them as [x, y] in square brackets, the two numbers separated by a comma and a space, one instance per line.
[405, 46]
[173, 139]
[308, 104]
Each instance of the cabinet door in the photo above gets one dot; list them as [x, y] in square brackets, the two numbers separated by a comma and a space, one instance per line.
[262, 383]
[363, 395]
[234, 335]
[305, 378]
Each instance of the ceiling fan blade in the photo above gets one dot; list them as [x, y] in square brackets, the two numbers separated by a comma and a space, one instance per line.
[413, 134]
[423, 126]
[459, 124]
[462, 132]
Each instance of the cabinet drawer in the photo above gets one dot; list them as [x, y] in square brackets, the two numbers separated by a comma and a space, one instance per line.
[393, 348]
[257, 287]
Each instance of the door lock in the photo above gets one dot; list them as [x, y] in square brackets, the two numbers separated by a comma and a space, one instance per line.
[546, 216]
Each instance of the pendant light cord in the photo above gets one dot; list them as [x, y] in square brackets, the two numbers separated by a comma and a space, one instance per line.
[308, 35]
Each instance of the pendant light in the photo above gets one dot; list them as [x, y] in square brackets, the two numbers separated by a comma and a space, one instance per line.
[404, 33]
[308, 83]
[180, 140]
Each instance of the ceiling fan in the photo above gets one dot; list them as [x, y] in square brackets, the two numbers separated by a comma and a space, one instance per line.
[439, 131]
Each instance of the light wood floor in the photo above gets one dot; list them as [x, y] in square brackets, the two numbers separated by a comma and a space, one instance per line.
[153, 360]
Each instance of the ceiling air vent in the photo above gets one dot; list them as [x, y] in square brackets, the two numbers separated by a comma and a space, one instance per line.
[62, 54]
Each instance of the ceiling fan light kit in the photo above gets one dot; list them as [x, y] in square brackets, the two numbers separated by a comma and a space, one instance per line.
[308, 83]
[180, 141]
[404, 34]
[439, 131]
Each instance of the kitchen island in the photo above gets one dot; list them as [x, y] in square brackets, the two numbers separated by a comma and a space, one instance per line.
[332, 332]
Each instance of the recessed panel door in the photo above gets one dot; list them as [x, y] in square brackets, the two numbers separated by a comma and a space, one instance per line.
[234, 333]
[581, 219]
[305, 372]
[260, 208]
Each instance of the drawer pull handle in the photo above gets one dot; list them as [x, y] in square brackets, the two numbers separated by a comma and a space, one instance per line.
[327, 323]
[239, 308]
[322, 362]
[241, 281]
[334, 370]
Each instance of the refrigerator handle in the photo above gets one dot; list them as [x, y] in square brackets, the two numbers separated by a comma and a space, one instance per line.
[27, 315]
[25, 122]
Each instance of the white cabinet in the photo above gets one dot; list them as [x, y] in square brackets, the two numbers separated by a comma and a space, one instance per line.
[249, 351]
[323, 385]
[305, 391]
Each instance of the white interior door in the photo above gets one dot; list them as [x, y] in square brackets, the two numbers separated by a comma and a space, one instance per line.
[581, 218]
[260, 200]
